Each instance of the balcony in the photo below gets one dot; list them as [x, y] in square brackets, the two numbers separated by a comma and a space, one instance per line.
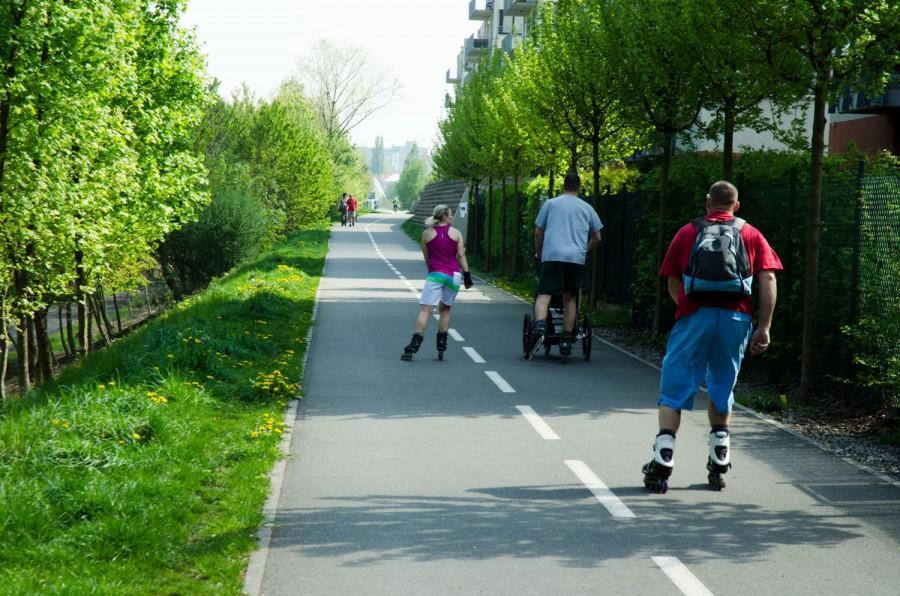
[511, 42]
[476, 47]
[518, 8]
[451, 80]
[481, 10]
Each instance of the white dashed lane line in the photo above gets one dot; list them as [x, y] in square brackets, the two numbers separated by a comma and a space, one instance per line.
[475, 356]
[455, 335]
[602, 493]
[499, 381]
[537, 423]
[681, 576]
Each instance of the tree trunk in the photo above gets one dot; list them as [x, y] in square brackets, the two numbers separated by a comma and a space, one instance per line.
[517, 223]
[43, 348]
[69, 334]
[728, 141]
[32, 351]
[81, 302]
[475, 213]
[100, 300]
[88, 324]
[62, 329]
[595, 202]
[23, 355]
[102, 325]
[4, 354]
[118, 316]
[4, 347]
[552, 186]
[660, 233]
[489, 218]
[504, 259]
[813, 216]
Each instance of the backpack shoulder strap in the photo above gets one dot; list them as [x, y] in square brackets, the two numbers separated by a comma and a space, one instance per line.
[738, 223]
[701, 223]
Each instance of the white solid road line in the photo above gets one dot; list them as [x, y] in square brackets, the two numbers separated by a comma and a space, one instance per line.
[455, 335]
[475, 356]
[537, 423]
[499, 381]
[686, 581]
[605, 496]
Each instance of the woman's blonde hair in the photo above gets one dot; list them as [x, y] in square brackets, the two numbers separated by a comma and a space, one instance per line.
[439, 213]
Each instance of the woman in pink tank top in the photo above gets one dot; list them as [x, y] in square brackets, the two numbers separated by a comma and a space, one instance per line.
[445, 257]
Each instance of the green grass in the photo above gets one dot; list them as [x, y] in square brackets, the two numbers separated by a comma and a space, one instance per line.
[762, 400]
[143, 469]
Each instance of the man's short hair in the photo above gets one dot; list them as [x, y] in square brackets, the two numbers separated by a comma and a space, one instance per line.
[572, 183]
[723, 194]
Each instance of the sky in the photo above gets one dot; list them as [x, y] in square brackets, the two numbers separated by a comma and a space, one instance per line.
[259, 42]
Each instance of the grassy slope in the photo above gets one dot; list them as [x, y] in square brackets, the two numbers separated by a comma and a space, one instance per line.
[143, 470]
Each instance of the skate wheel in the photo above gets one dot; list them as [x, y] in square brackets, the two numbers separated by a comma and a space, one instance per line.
[440, 355]
[406, 357]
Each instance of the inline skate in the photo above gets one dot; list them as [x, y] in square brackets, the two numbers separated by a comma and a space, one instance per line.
[719, 457]
[657, 470]
[412, 347]
[441, 344]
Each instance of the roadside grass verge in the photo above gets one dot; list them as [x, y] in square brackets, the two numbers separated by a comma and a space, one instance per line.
[143, 469]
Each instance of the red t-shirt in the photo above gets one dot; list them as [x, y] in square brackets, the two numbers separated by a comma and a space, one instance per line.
[351, 204]
[762, 258]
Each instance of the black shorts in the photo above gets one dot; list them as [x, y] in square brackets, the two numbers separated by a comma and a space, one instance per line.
[558, 277]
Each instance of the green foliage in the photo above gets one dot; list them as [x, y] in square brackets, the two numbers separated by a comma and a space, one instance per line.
[98, 102]
[232, 229]
[413, 178]
[143, 469]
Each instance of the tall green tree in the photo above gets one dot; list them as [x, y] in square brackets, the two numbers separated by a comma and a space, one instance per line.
[825, 48]
[654, 44]
[413, 178]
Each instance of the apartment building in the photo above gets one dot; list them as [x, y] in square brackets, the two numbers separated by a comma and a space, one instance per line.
[503, 26]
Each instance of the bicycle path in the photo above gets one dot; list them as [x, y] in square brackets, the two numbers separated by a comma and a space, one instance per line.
[487, 474]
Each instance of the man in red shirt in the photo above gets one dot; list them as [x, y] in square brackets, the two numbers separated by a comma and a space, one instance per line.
[712, 330]
[352, 206]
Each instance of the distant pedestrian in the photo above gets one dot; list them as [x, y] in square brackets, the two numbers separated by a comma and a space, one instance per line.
[342, 208]
[566, 229]
[445, 258]
[352, 207]
[709, 267]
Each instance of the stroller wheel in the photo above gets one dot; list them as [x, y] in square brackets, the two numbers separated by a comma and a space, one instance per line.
[587, 339]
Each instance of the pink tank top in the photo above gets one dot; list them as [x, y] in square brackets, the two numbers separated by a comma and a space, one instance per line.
[442, 252]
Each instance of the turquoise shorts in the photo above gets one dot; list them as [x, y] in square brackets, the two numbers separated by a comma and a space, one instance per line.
[707, 345]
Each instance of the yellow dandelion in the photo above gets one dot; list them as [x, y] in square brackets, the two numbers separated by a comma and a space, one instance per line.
[101, 386]
[136, 436]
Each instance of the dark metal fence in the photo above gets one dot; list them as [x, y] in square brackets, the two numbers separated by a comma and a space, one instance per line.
[858, 307]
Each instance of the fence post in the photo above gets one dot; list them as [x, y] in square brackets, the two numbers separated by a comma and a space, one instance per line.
[857, 240]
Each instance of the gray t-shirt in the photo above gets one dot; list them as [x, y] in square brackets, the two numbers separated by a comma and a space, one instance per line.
[567, 221]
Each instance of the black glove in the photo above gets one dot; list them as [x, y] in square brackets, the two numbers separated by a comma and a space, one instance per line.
[467, 279]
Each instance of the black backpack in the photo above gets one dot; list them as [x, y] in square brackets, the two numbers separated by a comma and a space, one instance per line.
[719, 266]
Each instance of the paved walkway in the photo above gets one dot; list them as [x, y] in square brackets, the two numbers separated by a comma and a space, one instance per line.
[486, 474]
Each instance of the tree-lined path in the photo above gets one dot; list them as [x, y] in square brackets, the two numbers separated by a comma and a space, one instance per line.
[486, 474]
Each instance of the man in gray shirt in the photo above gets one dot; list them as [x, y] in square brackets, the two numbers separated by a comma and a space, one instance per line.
[565, 230]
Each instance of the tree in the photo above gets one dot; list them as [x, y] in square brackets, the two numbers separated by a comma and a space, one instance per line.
[413, 178]
[345, 86]
[665, 89]
[98, 102]
[826, 48]
[741, 78]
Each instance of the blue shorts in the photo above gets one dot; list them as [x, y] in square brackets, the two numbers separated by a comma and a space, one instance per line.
[706, 345]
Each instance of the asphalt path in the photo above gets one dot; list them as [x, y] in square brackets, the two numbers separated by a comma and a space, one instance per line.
[487, 474]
